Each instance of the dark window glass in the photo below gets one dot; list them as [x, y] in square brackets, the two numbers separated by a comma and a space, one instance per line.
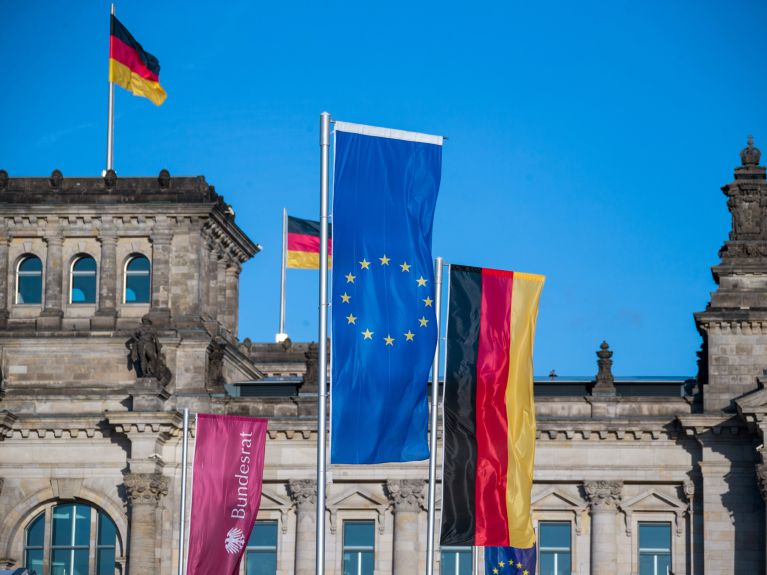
[29, 281]
[261, 552]
[455, 561]
[137, 280]
[35, 543]
[105, 546]
[359, 547]
[554, 548]
[654, 548]
[83, 280]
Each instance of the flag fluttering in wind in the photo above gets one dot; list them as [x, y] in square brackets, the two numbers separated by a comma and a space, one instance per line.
[509, 561]
[228, 471]
[131, 67]
[384, 328]
[489, 412]
[304, 243]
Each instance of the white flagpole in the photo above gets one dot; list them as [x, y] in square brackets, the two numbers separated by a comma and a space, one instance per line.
[323, 359]
[182, 510]
[111, 117]
[434, 412]
[281, 336]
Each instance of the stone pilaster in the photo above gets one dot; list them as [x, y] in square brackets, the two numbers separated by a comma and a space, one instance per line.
[211, 283]
[144, 491]
[303, 492]
[50, 317]
[604, 498]
[407, 497]
[232, 283]
[221, 283]
[159, 311]
[5, 287]
[106, 313]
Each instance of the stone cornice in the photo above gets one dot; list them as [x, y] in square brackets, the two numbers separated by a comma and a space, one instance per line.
[614, 429]
[7, 422]
[738, 322]
[718, 424]
[56, 427]
[166, 423]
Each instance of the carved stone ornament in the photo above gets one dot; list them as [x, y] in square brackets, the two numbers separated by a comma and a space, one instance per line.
[56, 178]
[604, 495]
[110, 179]
[164, 179]
[761, 479]
[145, 487]
[750, 155]
[3, 180]
[215, 377]
[311, 377]
[605, 380]
[146, 355]
[405, 494]
[303, 492]
[689, 489]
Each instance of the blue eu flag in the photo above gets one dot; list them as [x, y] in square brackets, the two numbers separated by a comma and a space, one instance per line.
[384, 328]
[509, 561]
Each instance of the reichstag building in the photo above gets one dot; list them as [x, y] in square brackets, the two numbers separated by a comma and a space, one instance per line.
[119, 308]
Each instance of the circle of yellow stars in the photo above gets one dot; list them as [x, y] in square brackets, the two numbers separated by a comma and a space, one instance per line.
[421, 281]
[502, 564]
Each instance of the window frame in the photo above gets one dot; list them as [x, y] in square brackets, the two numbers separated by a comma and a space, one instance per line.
[262, 548]
[358, 549]
[17, 274]
[557, 551]
[132, 256]
[458, 550]
[72, 273]
[655, 552]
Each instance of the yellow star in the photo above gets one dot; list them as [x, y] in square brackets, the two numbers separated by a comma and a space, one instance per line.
[519, 565]
[384, 260]
[409, 335]
[345, 297]
[364, 264]
[428, 301]
[421, 281]
[525, 572]
[501, 564]
[405, 267]
[350, 278]
[389, 340]
[495, 570]
[367, 334]
[351, 318]
[423, 321]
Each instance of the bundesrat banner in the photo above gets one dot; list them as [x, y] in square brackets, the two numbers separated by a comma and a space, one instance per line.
[226, 491]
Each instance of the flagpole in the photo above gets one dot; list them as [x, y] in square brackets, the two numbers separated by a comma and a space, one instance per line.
[474, 560]
[182, 510]
[281, 336]
[433, 426]
[323, 359]
[111, 116]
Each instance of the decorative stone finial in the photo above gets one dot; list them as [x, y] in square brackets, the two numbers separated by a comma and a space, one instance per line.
[750, 155]
[110, 179]
[56, 178]
[605, 381]
[3, 180]
[164, 178]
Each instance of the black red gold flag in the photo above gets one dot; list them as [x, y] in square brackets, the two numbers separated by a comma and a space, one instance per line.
[132, 67]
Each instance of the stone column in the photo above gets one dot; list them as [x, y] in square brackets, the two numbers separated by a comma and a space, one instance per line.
[50, 317]
[106, 313]
[408, 498]
[221, 283]
[144, 492]
[604, 498]
[5, 286]
[303, 492]
[160, 309]
[212, 281]
[232, 281]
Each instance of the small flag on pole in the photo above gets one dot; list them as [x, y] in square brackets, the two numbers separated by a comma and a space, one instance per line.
[489, 425]
[304, 243]
[131, 67]
[384, 328]
[228, 470]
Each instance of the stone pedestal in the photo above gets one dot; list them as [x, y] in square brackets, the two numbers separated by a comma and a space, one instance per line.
[604, 498]
[407, 496]
[144, 491]
[148, 394]
[303, 492]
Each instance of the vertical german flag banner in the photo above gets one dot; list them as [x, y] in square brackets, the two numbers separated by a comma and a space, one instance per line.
[132, 67]
[304, 244]
[489, 413]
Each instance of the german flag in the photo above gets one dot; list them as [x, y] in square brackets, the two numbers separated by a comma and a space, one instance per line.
[489, 428]
[304, 243]
[131, 67]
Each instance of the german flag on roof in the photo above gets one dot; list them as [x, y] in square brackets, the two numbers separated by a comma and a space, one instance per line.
[131, 67]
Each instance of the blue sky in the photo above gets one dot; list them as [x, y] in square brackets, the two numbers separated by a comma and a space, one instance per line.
[588, 141]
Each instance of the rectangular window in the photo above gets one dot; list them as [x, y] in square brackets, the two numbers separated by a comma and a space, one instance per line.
[554, 548]
[654, 548]
[261, 552]
[359, 547]
[455, 561]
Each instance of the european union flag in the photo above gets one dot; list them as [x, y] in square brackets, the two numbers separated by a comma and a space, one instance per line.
[384, 327]
[509, 561]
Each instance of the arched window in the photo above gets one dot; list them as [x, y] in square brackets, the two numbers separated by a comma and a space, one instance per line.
[64, 537]
[29, 280]
[83, 280]
[137, 279]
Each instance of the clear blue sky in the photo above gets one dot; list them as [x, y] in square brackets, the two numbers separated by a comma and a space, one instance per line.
[588, 140]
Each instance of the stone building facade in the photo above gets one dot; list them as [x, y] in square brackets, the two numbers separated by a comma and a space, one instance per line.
[119, 306]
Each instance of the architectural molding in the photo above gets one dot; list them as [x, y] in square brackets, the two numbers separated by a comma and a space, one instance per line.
[655, 501]
[145, 487]
[303, 493]
[555, 499]
[603, 496]
[405, 494]
[356, 499]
